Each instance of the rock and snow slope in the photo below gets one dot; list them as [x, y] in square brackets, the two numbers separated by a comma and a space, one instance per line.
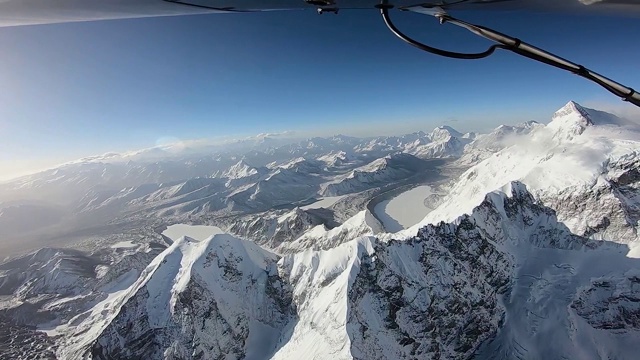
[502, 282]
[218, 298]
[583, 164]
[319, 237]
[379, 172]
[272, 230]
[485, 145]
[522, 260]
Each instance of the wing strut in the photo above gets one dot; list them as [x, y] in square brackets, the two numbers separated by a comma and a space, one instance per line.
[514, 45]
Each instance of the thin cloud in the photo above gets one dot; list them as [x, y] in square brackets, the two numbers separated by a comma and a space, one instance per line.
[619, 108]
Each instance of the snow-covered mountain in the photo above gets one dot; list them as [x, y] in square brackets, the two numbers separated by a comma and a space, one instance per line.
[530, 252]
[63, 272]
[240, 173]
[321, 238]
[271, 230]
[70, 182]
[300, 164]
[485, 145]
[583, 164]
[441, 142]
[445, 142]
[453, 290]
[258, 173]
[379, 172]
[217, 298]
[336, 158]
[53, 289]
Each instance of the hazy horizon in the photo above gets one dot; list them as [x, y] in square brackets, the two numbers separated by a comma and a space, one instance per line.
[391, 128]
[79, 89]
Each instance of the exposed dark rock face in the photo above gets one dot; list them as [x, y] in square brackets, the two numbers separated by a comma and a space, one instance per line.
[611, 303]
[24, 342]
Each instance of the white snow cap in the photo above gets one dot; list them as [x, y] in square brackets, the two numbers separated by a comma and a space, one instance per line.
[571, 152]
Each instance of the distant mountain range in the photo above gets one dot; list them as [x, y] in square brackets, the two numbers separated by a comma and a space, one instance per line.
[531, 250]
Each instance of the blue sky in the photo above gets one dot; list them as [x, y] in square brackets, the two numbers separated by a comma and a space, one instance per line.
[73, 90]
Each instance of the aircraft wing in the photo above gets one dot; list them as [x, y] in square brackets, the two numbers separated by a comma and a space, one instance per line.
[30, 12]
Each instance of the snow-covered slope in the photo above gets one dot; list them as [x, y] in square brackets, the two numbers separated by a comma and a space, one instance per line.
[239, 170]
[393, 143]
[442, 142]
[526, 257]
[321, 282]
[63, 272]
[336, 159]
[280, 187]
[379, 172]
[583, 164]
[485, 145]
[70, 182]
[301, 164]
[502, 282]
[240, 173]
[445, 142]
[217, 298]
[189, 196]
[52, 288]
[319, 237]
[96, 200]
[551, 305]
[272, 229]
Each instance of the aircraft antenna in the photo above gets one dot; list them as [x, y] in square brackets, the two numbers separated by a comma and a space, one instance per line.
[514, 45]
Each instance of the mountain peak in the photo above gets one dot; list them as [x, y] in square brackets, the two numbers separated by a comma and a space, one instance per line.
[574, 104]
[573, 108]
[571, 120]
[447, 128]
[240, 170]
[443, 133]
